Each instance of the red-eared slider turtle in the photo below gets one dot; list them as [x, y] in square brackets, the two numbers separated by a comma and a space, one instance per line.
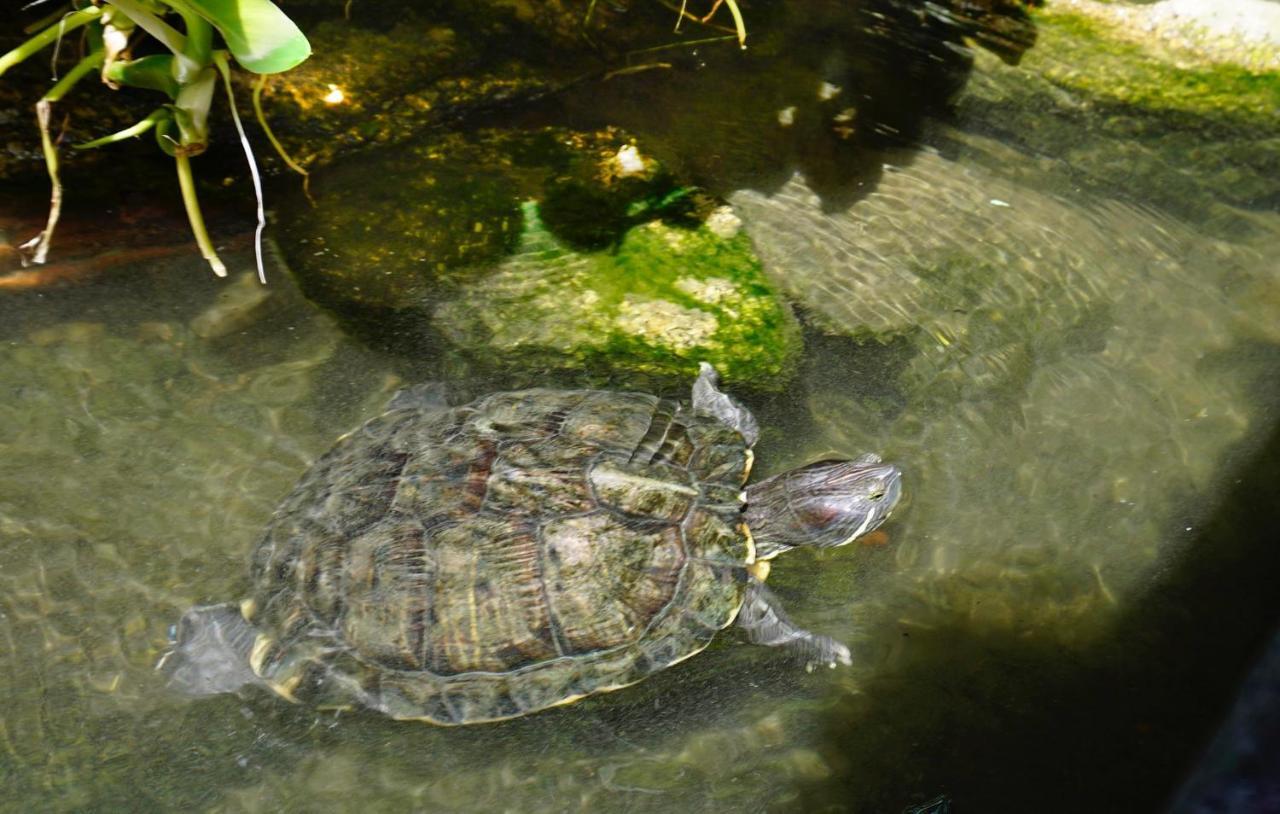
[466, 564]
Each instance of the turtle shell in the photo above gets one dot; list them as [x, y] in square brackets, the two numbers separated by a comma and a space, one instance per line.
[482, 562]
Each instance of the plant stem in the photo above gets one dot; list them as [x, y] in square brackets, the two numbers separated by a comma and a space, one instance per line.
[199, 45]
[39, 245]
[738, 23]
[258, 85]
[69, 23]
[45, 21]
[192, 106]
[682, 44]
[129, 132]
[192, 204]
[220, 60]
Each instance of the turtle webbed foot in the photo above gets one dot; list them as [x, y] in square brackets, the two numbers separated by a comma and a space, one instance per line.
[765, 622]
[210, 652]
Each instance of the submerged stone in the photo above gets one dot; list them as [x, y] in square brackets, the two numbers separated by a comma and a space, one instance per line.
[607, 263]
[390, 226]
[1137, 114]
[367, 87]
[666, 297]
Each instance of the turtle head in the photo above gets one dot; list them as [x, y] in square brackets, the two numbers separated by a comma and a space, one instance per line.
[824, 504]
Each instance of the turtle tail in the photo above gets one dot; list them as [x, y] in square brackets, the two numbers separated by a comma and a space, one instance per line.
[210, 651]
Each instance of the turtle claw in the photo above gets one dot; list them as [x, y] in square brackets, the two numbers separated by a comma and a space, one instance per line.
[829, 652]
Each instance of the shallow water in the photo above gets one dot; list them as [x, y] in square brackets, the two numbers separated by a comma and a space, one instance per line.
[1077, 376]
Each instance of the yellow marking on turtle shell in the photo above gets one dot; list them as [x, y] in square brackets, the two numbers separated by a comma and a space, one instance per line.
[745, 531]
[259, 652]
[631, 482]
[759, 569]
[746, 470]
[248, 607]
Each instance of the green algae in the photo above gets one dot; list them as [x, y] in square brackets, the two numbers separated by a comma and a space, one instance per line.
[1081, 54]
[665, 298]
[380, 87]
[1136, 122]
[388, 227]
[607, 265]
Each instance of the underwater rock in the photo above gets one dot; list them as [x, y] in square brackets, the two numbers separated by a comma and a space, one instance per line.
[962, 264]
[375, 251]
[136, 457]
[243, 302]
[570, 28]
[382, 75]
[975, 264]
[605, 262]
[664, 298]
[1167, 123]
[363, 87]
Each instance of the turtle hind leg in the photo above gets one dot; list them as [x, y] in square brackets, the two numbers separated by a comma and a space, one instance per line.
[210, 651]
[765, 622]
[709, 400]
[429, 396]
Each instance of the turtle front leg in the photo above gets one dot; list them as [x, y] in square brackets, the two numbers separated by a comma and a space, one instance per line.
[766, 623]
[709, 400]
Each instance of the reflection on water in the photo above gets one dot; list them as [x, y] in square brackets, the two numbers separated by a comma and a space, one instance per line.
[1073, 375]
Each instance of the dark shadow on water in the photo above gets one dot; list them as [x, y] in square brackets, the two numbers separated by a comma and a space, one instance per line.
[825, 88]
[1003, 724]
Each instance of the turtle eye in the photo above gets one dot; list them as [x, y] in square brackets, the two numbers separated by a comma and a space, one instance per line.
[876, 496]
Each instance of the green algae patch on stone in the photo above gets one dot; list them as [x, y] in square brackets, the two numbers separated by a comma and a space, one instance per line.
[1132, 119]
[604, 191]
[665, 298]
[1086, 55]
[393, 231]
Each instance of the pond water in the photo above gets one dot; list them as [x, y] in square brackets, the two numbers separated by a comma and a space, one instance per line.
[1057, 310]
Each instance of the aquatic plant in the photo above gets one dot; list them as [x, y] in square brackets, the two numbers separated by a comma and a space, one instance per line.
[739, 25]
[256, 34]
[683, 13]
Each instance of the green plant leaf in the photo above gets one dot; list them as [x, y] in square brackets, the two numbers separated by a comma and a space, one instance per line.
[260, 36]
[153, 72]
[164, 131]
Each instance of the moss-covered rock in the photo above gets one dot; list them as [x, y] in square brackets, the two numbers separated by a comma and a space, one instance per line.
[389, 227]
[551, 248]
[602, 194]
[665, 298]
[363, 87]
[1136, 118]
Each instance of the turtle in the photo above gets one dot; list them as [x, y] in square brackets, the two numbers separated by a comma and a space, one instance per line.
[465, 564]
